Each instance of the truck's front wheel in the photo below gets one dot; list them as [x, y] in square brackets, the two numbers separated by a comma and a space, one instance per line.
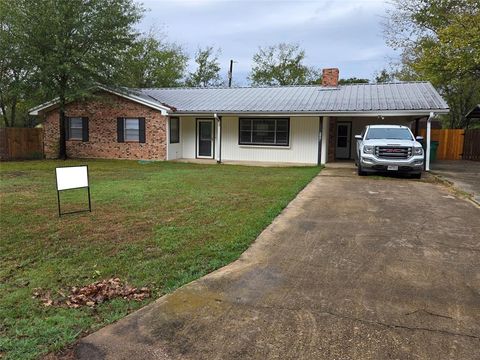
[360, 172]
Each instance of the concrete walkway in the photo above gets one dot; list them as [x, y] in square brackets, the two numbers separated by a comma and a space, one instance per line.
[465, 175]
[354, 268]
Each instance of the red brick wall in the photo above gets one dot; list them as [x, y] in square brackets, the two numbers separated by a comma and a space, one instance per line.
[330, 77]
[102, 112]
[332, 139]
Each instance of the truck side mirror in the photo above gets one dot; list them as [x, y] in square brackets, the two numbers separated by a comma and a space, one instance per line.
[419, 138]
[358, 137]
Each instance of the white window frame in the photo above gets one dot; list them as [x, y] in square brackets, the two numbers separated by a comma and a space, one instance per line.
[197, 141]
[70, 127]
[274, 143]
[170, 130]
[125, 129]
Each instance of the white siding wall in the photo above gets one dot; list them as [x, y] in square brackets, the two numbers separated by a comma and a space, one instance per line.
[303, 146]
[304, 132]
[174, 151]
[187, 135]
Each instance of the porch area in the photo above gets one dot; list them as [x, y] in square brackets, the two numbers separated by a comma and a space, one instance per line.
[304, 140]
[243, 163]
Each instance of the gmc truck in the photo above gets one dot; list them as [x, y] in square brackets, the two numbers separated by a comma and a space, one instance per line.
[389, 148]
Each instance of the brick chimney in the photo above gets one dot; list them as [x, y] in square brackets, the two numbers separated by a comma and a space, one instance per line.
[330, 77]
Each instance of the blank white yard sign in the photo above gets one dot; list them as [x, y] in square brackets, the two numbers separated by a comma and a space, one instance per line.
[72, 177]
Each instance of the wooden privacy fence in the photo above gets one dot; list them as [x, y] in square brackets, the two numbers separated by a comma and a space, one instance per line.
[450, 145]
[21, 143]
[471, 147]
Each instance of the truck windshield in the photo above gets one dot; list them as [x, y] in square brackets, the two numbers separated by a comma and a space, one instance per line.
[389, 133]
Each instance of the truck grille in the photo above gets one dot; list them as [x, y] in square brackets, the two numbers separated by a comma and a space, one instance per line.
[393, 152]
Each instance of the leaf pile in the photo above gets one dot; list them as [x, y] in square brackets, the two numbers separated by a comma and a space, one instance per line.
[94, 294]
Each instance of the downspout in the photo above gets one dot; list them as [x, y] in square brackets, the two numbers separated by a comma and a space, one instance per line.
[429, 131]
[219, 131]
[167, 136]
[320, 139]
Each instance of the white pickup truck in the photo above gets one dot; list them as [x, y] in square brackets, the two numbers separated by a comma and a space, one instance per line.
[389, 148]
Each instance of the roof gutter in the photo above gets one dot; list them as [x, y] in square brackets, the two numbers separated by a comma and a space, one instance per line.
[219, 132]
[319, 113]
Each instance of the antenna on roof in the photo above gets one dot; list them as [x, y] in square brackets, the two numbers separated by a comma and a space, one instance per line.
[230, 73]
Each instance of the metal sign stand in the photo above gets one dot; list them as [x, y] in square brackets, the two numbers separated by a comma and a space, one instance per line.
[60, 213]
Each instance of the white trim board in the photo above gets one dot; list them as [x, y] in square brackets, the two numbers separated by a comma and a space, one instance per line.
[164, 110]
[310, 114]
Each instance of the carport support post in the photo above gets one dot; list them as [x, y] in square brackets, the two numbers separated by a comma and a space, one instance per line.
[325, 133]
[218, 142]
[429, 133]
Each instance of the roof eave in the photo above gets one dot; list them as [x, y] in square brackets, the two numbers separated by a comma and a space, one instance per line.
[35, 111]
[164, 109]
[422, 112]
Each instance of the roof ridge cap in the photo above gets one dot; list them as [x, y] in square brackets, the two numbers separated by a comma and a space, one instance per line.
[184, 88]
[235, 87]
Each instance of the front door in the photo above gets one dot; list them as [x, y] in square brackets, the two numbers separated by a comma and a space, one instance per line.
[344, 133]
[205, 138]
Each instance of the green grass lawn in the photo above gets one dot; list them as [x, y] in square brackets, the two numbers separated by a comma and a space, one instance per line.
[159, 225]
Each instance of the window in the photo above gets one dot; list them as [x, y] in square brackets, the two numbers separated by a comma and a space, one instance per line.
[75, 128]
[389, 133]
[132, 130]
[264, 132]
[174, 130]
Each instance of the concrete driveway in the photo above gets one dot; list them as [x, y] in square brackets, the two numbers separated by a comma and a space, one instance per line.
[354, 268]
[464, 174]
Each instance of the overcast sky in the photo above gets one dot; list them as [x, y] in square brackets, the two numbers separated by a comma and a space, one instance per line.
[334, 33]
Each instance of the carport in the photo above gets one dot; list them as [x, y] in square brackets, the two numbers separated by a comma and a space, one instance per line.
[342, 131]
[340, 144]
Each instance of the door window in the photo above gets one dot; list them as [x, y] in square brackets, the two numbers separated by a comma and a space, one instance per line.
[342, 137]
[205, 138]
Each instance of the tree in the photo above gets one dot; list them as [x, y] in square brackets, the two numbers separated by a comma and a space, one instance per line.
[153, 62]
[208, 69]
[353, 80]
[281, 64]
[76, 44]
[446, 32]
[439, 42]
[384, 76]
[15, 66]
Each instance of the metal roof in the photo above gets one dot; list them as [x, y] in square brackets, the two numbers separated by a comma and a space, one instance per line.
[380, 99]
[402, 96]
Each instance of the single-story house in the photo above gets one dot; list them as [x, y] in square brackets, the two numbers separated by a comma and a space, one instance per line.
[276, 124]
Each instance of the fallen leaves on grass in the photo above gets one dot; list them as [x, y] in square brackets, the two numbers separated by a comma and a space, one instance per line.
[93, 294]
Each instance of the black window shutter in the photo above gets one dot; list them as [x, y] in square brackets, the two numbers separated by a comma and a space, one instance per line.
[67, 128]
[120, 130]
[141, 128]
[85, 129]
